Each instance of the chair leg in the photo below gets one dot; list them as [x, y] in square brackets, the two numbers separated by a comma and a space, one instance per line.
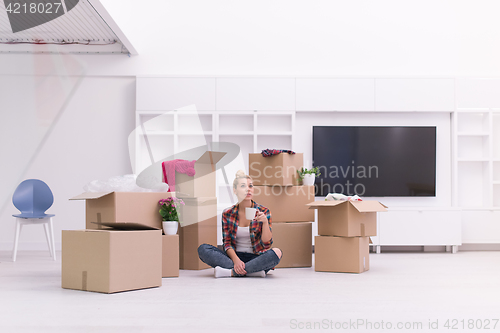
[51, 228]
[19, 226]
[46, 228]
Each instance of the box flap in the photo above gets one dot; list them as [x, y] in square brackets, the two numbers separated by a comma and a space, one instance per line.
[91, 195]
[211, 157]
[126, 225]
[368, 206]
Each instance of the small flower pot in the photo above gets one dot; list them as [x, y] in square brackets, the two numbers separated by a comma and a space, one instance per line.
[170, 227]
[309, 179]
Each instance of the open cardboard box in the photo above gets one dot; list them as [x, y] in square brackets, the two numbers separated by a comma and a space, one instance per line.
[110, 261]
[280, 169]
[122, 207]
[347, 218]
[202, 184]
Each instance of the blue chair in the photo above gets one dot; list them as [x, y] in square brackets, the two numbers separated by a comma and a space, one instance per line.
[33, 197]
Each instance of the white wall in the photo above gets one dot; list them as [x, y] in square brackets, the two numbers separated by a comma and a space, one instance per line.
[335, 38]
[294, 37]
[87, 142]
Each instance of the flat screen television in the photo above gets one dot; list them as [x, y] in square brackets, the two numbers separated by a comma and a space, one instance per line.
[379, 161]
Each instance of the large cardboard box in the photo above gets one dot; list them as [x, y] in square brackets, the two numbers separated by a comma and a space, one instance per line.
[170, 255]
[278, 169]
[202, 184]
[122, 207]
[347, 218]
[191, 237]
[286, 203]
[295, 241]
[341, 254]
[110, 261]
[196, 210]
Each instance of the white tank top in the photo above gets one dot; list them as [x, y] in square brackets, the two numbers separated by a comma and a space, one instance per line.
[243, 242]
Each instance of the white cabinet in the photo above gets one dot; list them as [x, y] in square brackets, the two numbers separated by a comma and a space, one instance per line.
[167, 94]
[335, 94]
[249, 94]
[481, 226]
[414, 95]
[428, 226]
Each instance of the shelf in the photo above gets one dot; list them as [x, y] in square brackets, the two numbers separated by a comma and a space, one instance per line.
[472, 110]
[473, 134]
[473, 160]
[194, 133]
[277, 134]
[237, 133]
[158, 133]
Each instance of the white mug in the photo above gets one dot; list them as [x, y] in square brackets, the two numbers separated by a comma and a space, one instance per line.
[250, 213]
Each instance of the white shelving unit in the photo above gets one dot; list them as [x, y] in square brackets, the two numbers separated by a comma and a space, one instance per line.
[164, 133]
[476, 148]
[252, 131]
[477, 176]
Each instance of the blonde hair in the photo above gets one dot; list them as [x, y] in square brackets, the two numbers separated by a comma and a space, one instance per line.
[240, 175]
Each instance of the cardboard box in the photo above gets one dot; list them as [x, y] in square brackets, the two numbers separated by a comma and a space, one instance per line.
[110, 261]
[341, 254]
[202, 184]
[196, 210]
[122, 207]
[191, 237]
[278, 169]
[347, 218]
[295, 241]
[170, 255]
[286, 203]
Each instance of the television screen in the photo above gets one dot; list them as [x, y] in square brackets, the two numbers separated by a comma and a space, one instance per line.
[380, 161]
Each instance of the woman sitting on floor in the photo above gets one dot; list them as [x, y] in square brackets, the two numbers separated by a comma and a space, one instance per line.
[247, 243]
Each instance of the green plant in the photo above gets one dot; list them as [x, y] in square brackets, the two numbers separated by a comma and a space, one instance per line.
[305, 171]
[168, 208]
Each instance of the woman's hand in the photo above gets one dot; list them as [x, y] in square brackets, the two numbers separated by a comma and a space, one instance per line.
[261, 217]
[239, 267]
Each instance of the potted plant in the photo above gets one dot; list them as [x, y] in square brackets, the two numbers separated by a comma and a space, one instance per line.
[168, 211]
[307, 175]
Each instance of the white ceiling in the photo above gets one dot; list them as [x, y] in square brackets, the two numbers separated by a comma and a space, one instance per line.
[85, 28]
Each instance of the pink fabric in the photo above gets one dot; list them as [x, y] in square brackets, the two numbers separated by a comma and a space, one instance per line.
[170, 167]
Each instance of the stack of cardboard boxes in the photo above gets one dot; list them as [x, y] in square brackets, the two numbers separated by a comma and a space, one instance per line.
[276, 187]
[198, 216]
[122, 247]
[344, 229]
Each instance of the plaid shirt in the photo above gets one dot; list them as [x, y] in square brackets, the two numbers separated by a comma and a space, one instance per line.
[230, 225]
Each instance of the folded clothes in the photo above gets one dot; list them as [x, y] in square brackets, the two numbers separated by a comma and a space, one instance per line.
[271, 152]
[170, 167]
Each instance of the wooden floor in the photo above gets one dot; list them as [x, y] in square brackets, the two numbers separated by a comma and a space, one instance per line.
[409, 290]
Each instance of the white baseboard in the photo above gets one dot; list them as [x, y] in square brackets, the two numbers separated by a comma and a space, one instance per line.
[27, 246]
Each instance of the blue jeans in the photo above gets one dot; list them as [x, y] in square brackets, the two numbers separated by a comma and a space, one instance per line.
[213, 256]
